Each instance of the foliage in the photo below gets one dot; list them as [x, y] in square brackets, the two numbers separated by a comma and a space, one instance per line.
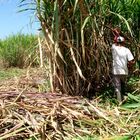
[18, 50]
[78, 38]
[133, 102]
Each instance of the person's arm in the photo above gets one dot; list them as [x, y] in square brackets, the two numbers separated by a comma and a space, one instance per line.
[130, 65]
[131, 60]
[116, 32]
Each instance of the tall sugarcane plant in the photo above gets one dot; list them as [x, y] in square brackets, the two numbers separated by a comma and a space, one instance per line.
[78, 38]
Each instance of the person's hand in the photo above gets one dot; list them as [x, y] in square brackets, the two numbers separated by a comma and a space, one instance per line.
[130, 65]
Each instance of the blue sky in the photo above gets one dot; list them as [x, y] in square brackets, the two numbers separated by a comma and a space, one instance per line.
[12, 22]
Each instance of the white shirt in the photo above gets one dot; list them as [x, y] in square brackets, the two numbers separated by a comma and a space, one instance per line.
[121, 55]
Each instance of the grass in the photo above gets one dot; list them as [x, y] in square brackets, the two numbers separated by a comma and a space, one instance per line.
[18, 50]
[10, 73]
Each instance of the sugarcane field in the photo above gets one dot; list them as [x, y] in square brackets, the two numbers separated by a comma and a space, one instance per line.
[77, 77]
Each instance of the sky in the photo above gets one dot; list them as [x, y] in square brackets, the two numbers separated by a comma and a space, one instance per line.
[12, 21]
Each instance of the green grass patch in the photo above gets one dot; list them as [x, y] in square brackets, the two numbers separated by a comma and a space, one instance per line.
[10, 73]
[136, 137]
[19, 50]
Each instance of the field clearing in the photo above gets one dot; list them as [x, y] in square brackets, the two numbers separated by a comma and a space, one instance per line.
[29, 111]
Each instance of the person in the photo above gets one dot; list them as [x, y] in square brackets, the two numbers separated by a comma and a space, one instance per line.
[122, 58]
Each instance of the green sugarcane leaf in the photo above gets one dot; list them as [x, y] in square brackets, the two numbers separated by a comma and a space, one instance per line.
[135, 98]
[120, 138]
[75, 5]
[137, 137]
[125, 21]
[82, 35]
[131, 106]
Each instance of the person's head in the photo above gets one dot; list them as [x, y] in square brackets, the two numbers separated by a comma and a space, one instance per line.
[120, 40]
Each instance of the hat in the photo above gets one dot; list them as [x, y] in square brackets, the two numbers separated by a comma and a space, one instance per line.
[120, 39]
